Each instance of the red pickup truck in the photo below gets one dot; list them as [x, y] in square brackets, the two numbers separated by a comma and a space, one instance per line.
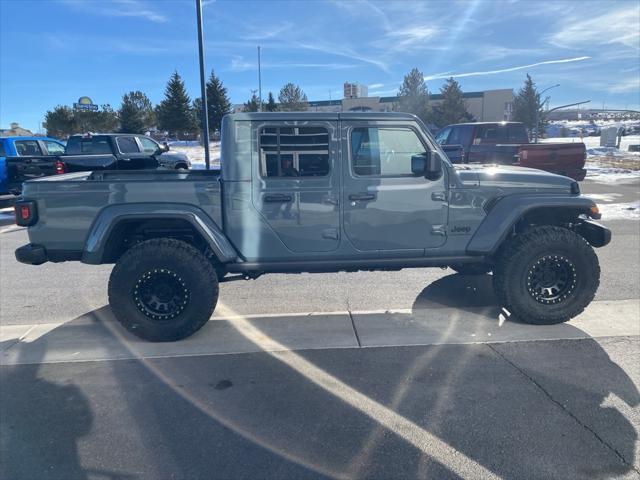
[507, 143]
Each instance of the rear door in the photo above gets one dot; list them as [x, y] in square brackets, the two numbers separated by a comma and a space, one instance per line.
[296, 184]
[132, 156]
[386, 208]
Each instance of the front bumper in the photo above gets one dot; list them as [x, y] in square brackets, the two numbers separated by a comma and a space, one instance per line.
[596, 234]
[31, 254]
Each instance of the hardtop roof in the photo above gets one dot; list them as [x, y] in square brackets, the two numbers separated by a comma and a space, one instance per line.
[293, 116]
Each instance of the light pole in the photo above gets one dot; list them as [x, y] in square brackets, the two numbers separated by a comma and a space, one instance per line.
[203, 87]
[537, 122]
[259, 82]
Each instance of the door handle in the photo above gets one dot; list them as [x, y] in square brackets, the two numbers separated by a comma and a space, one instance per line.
[277, 198]
[362, 197]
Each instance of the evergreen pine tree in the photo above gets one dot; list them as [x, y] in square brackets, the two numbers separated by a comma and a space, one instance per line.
[175, 114]
[292, 98]
[103, 120]
[271, 105]
[136, 113]
[414, 96]
[218, 103]
[453, 108]
[525, 104]
[60, 122]
[252, 104]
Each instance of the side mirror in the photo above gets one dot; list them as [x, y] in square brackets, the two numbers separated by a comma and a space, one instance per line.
[165, 147]
[419, 164]
[433, 169]
[427, 165]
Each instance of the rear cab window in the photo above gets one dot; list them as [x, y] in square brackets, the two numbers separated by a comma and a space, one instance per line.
[384, 151]
[3, 152]
[294, 151]
[88, 145]
[498, 133]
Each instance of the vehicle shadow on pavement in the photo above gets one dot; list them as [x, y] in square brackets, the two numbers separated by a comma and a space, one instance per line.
[537, 409]
[42, 423]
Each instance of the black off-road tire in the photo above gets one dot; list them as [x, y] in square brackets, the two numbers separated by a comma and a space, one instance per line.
[163, 290]
[471, 268]
[521, 264]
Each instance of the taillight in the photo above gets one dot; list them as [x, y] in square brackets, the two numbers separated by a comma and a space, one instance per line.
[26, 213]
[60, 167]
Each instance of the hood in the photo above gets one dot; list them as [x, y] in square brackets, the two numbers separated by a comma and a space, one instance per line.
[510, 177]
[173, 157]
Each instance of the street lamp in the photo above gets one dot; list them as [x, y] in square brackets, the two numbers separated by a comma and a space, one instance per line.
[537, 122]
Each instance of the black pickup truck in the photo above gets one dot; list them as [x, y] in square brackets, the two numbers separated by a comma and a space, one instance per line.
[119, 151]
[41, 157]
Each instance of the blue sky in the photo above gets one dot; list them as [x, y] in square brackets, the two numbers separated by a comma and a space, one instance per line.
[54, 51]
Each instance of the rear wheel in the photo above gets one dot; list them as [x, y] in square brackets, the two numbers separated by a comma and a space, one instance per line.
[163, 290]
[546, 275]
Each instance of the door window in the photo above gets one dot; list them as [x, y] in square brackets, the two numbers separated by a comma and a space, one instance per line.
[460, 135]
[54, 148]
[127, 145]
[294, 152]
[148, 145]
[384, 152]
[27, 148]
[442, 136]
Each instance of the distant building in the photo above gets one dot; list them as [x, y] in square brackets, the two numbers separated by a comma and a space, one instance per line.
[485, 106]
[593, 114]
[15, 130]
[355, 90]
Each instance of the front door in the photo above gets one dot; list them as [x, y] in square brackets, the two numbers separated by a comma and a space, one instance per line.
[132, 157]
[297, 184]
[386, 207]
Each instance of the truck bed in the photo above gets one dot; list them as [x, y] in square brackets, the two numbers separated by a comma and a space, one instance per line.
[69, 203]
[131, 176]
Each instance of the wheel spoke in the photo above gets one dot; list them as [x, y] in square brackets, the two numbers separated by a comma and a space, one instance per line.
[161, 294]
[551, 279]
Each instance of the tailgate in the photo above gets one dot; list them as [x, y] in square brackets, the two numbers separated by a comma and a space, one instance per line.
[554, 156]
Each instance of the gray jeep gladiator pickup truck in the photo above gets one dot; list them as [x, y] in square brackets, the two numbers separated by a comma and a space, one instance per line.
[316, 192]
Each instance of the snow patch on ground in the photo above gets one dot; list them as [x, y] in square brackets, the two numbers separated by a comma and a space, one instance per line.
[195, 152]
[603, 197]
[620, 211]
[608, 164]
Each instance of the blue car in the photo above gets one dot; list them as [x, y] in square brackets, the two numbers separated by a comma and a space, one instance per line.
[24, 158]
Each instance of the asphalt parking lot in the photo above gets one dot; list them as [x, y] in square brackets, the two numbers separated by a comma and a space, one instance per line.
[369, 375]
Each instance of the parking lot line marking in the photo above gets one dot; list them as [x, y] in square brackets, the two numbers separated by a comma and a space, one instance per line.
[412, 433]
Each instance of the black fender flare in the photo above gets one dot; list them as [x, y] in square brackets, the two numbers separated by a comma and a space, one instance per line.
[110, 216]
[509, 209]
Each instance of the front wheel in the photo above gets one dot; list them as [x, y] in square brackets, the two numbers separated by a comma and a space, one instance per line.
[546, 275]
[163, 290]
